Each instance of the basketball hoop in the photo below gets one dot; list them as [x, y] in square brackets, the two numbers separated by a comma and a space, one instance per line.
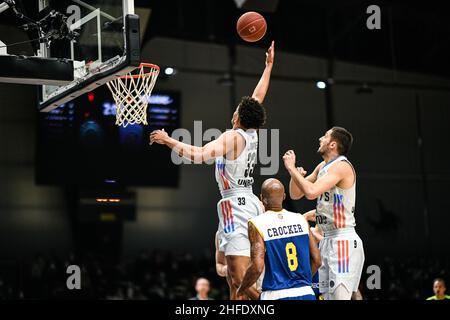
[131, 94]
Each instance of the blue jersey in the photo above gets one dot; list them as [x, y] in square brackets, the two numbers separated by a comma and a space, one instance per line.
[287, 260]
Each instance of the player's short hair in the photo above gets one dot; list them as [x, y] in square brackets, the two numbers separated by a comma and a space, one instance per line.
[343, 138]
[252, 115]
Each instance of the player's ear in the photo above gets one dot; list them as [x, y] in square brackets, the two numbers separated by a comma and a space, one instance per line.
[236, 119]
[264, 201]
[284, 196]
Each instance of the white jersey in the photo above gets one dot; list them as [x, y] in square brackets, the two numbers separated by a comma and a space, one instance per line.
[233, 174]
[335, 208]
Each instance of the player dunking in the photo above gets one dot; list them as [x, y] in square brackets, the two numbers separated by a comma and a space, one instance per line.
[333, 184]
[235, 153]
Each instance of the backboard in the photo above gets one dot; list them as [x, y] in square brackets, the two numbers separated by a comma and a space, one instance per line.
[105, 44]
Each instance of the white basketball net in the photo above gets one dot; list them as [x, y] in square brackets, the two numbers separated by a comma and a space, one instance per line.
[131, 94]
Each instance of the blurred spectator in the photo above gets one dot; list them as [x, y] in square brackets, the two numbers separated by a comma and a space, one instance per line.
[202, 288]
[159, 275]
[439, 290]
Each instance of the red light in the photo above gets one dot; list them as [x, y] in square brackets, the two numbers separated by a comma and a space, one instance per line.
[91, 96]
[87, 114]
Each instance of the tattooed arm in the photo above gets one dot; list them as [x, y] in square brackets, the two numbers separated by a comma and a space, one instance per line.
[257, 252]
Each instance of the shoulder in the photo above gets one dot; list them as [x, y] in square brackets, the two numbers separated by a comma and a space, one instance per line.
[341, 167]
[302, 220]
[296, 216]
[231, 139]
[298, 219]
[256, 224]
[233, 135]
[319, 166]
[263, 217]
[291, 214]
[263, 220]
[230, 133]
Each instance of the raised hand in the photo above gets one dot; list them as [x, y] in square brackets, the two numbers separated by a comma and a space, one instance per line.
[270, 54]
[289, 159]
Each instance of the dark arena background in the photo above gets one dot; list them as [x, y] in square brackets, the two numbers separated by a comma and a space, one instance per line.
[77, 190]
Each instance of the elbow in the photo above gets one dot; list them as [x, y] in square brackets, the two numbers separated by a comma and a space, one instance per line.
[294, 192]
[311, 195]
[258, 267]
[201, 155]
[294, 196]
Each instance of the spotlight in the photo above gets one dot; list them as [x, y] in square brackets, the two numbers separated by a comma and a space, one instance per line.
[321, 84]
[169, 71]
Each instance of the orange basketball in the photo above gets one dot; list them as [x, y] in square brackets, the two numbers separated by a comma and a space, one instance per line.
[251, 26]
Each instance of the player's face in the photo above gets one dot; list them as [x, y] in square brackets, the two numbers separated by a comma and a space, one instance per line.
[324, 143]
[439, 288]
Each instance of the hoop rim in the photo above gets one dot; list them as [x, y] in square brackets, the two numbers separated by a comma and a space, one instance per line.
[141, 66]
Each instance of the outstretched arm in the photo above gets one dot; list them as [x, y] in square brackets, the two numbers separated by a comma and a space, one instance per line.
[228, 142]
[263, 85]
[254, 270]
